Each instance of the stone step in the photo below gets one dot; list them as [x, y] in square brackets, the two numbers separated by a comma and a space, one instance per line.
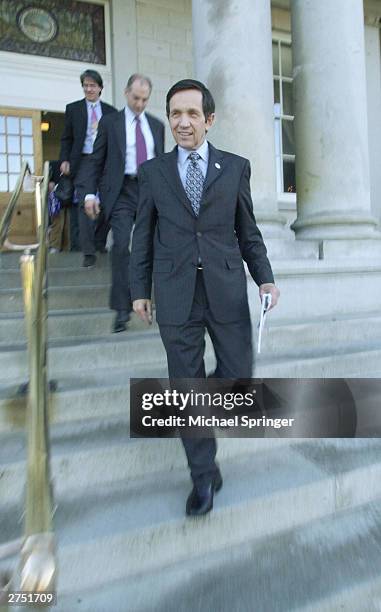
[124, 529]
[319, 334]
[61, 277]
[145, 347]
[59, 298]
[9, 261]
[343, 549]
[129, 350]
[101, 453]
[314, 333]
[345, 362]
[79, 396]
[281, 249]
[104, 395]
[66, 323]
[322, 288]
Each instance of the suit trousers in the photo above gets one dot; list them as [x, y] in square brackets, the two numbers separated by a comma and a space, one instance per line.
[122, 220]
[93, 234]
[88, 235]
[59, 236]
[185, 347]
[75, 243]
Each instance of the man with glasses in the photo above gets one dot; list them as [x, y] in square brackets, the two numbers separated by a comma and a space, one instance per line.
[81, 126]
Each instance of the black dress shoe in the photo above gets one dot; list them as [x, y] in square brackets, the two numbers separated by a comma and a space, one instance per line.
[200, 501]
[120, 322]
[89, 261]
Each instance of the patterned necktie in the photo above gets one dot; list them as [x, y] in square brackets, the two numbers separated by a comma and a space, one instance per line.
[94, 122]
[141, 149]
[194, 182]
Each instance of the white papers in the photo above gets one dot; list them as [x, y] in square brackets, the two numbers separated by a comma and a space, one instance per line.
[266, 303]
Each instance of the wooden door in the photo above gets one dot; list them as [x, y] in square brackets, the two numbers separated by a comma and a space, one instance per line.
[20, 139]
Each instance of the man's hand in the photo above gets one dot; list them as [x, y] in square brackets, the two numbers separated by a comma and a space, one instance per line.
[143, 309]
[65, 167]
[92, 208]
[270, 288]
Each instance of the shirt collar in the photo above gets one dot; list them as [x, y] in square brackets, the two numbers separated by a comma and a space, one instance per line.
[130, 116]
[203, 151]
[90, 104]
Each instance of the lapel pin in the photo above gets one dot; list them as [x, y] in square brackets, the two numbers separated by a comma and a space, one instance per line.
[218, 166]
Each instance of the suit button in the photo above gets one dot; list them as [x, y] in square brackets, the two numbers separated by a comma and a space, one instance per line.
[199, 234]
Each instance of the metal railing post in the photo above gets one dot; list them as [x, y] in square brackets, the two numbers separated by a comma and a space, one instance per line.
[38, 569]
[38, 565]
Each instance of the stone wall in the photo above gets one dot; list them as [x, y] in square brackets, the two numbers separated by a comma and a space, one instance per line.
[164, 45]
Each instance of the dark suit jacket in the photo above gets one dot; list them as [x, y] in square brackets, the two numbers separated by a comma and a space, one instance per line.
[169, 238]
[105, 167]
[74, 133]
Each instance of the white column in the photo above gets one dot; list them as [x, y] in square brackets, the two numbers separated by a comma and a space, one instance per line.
[124, 46]
[373, 74]
[331, 132]
[233, 57]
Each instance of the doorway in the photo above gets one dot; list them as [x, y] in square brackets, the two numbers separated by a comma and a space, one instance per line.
[20, 140]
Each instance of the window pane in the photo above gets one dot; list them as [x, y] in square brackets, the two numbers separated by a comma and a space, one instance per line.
[286, 61]
[14, 163]
[13, 125]
[288, 137]
[277, 110]
[30, 160]
[13, 144]
[287, 98]
[27, 145]
[276, 91]
[3, 182]
[277, 137]
[12, 181]
[275, 58]
[2, 124]
[289, 177]
[3, 163]
[26, 126]
[2, 144]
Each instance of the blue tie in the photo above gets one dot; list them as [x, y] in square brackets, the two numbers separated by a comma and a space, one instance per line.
[194, 182]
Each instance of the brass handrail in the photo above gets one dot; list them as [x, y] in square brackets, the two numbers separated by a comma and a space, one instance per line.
[5, 222]
[37, 570]
[8, 214]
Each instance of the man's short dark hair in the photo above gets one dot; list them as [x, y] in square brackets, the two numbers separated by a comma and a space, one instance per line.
[92, 74]
[208, 105]
[139, 77]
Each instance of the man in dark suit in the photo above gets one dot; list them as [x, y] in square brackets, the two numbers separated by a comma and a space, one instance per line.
[124, 141]
[80, 130]
[194, 226]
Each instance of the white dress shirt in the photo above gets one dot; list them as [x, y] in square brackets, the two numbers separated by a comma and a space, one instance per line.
[130, 167]
[90, 134]
[183, 160]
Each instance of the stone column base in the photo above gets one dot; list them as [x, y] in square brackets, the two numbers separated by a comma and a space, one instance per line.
[336, 226]
[355, 249]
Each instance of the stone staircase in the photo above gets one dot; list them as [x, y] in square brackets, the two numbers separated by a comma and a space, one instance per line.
[297, 525]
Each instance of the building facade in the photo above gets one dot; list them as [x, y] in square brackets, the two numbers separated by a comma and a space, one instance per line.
[289, 77]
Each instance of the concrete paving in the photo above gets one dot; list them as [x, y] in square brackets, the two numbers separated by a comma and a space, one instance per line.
[328, 565]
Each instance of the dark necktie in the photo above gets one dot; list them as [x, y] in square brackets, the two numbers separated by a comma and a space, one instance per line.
[141, 149]
[194, 182]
